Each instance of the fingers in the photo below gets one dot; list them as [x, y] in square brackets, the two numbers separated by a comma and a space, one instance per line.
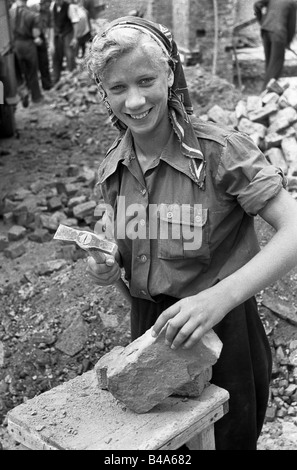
[184, 327]
[164, 318]
[103, 273]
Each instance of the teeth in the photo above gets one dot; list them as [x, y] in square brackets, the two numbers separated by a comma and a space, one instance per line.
[139, 116]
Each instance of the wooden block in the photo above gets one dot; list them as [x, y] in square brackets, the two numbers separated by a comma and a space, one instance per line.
[77, 415]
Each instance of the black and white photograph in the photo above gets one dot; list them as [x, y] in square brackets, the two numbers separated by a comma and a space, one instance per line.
[148, 227]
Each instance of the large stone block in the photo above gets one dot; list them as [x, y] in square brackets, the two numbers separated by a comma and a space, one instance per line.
[147, 371]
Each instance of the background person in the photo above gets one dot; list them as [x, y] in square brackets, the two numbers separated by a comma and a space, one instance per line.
[165, 158]
[26, 36]
[63, 36]
[278, 26]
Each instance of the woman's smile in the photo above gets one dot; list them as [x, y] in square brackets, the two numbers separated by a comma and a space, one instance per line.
[140, 115]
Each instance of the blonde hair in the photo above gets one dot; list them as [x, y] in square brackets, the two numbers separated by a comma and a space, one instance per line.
[106, 48]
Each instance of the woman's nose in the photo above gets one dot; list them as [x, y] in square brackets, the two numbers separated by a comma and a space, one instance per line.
[134, 99]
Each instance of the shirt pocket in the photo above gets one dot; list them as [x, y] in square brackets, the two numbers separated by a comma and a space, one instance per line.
[183, 232]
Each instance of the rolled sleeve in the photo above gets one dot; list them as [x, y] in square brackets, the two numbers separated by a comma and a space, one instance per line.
[266, 184]
[246, 174]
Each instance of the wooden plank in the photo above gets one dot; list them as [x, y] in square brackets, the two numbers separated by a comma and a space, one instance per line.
[77, 415]
[203, 441]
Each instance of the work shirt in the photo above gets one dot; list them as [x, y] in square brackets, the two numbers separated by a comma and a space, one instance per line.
[279, 18]
[196, 234]
[63, 17]
[23, 21]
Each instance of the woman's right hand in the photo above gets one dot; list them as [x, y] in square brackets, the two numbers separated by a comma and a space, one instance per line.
[104, 271]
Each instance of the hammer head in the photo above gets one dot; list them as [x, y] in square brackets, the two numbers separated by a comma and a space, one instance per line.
[86, 240]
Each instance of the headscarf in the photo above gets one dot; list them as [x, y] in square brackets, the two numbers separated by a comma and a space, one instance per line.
[179, 102]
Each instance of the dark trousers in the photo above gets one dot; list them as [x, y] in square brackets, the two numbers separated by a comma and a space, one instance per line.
[274, 51]
[43, 63]
[63, 49]
[82, 41]
[243, 368]
[26, 53]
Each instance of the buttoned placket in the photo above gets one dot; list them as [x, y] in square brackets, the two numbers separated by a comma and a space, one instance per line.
[140, 247]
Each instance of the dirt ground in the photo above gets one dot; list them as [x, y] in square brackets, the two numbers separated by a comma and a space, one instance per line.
[46, 299]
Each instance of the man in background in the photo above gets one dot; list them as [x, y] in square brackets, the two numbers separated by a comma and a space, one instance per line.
[278, 24]
[63, 36]
[41, 7]
[26, 36]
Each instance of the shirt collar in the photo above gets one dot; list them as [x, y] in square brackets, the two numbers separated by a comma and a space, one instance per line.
[182, 143]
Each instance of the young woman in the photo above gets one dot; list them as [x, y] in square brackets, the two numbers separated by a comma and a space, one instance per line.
[184, 194]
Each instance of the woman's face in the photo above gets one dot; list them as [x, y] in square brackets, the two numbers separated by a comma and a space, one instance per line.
[137, 91]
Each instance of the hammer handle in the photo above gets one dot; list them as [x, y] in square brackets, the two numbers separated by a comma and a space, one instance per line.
[120, 284]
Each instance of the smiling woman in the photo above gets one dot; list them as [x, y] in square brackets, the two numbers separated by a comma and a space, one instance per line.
[164, 158]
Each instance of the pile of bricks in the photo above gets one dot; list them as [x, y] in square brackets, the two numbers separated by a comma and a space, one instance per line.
[35, 213]
[270, 119]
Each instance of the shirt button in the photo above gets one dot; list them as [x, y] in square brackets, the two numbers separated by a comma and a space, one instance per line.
[142, 222]
[169, 215]
[143, 258]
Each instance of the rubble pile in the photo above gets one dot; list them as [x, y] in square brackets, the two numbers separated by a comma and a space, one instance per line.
[270, 119]
[35, 213]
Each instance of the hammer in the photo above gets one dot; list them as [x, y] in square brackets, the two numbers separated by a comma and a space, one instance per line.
[95, 246]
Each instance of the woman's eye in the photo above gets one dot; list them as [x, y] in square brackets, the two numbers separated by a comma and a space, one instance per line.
[146, 81]
[117, 88]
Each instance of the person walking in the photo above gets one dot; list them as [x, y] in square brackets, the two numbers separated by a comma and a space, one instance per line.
[277, 19]
[63, 36]
[26, 36]
[183, 194]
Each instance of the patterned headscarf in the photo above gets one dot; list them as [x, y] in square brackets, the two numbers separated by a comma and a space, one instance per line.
[179, 102]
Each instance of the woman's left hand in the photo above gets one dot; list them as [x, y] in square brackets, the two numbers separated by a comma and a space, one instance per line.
[190, 318]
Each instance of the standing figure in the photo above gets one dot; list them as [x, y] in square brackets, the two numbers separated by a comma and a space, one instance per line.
[183, 194]
[26, 35]
[83, 28]
[63, 36]
[41, 8]
[278, 24]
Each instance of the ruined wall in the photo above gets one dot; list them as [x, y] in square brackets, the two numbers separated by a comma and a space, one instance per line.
[196, 27]
[116, 8]
[193, 24]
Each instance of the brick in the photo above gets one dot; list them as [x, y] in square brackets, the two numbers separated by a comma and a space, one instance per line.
[4, 243]
[16, 232]
[289, 98]
[261, 115]
[282, 119]
[249, 127]
[54, 203]
[147, 371]
[218, 114]
[253, 103]
[270, 98]
[74, 201]
[289, 148]
[276, 157]
[85, 209]
[15, 251]
[8, 218]
[40, 235]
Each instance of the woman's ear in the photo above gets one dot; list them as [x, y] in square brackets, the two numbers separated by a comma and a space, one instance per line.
[170, 78]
